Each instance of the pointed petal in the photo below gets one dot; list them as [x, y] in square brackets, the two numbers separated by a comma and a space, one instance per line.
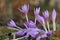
[12, 24]
[36, 11]
[40, 19]
[53, 14]
[25, 9]
[46, 15]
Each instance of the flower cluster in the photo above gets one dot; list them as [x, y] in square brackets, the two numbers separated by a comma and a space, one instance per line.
[31, 28]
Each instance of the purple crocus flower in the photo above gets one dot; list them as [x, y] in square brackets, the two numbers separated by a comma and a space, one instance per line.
[12, 24]
[24, 9]
[29, 32]
[40, 19]
[53, 19]
[32, 30]
[36, 11]
[46, 15]
[30, 24]
[53, 14]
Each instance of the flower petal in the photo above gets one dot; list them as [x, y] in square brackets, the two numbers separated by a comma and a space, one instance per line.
[21, 32]
[53, 14]
[12, 24]
[40, 19]
[33, 32]
[24, 9]
[36, 11]
[30, 24]
[46, 14]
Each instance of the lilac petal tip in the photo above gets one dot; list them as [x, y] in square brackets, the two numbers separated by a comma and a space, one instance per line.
[24, 9]
[53, 14]
[12, 24]
[36, 11]
[46, 14]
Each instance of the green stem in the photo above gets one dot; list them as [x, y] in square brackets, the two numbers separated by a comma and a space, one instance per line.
[54, 26]
[13, 35]
[45, 27]
[20, 38]
[48, 26]
[27, 18]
